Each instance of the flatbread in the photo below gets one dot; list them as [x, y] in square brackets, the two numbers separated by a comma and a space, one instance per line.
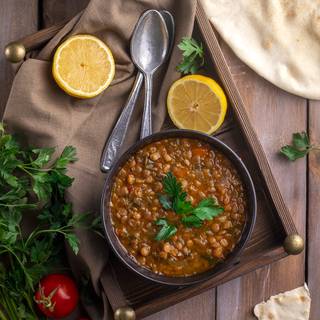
[279, 39]
[291, 305]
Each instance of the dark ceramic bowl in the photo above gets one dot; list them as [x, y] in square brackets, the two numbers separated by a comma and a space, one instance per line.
[231, 259]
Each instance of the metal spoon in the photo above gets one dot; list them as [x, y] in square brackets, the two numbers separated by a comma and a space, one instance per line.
[149, 47]
[169, 20]
[116, 138]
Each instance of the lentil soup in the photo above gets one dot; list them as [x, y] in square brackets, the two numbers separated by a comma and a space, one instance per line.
[203, 172]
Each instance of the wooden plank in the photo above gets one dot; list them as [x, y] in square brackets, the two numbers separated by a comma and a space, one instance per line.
[313, 227]
[199, 307]
[275, 115]
[17, 19]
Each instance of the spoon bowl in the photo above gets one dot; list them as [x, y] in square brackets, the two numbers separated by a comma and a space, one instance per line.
[150, 42]
[149, 48]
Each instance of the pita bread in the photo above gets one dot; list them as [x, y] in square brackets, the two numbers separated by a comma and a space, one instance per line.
[279, 39]
[291, 305]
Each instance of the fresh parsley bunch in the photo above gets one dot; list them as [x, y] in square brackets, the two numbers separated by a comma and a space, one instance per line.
[299, 148]
[32, 187]
[193, 56]
[175, 199]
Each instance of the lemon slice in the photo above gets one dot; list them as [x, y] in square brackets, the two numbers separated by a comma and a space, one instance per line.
[83, 66]
[198, 103]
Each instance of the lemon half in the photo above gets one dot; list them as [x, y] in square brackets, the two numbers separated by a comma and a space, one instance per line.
[83, 66]
[198, 103]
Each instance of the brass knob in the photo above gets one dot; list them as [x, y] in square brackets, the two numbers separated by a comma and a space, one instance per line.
[124, 313]
[15, 52]
[293, 244]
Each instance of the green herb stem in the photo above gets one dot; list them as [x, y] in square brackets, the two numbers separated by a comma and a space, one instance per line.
[36, 233]
[2, 316]
[30, 303]
[20, 263]
[35, 169]
[3, 305]
[19, 205]
[9, 307]
[25, 170]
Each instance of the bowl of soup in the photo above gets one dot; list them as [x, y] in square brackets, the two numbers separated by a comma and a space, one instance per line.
[178, 207]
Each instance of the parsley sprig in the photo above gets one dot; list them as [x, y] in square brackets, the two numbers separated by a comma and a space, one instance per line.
[32, 187]
[193, 56]
[299, 148]
[175, 199]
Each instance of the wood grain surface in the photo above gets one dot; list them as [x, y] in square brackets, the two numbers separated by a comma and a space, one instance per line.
[17, 19]
[313, 226]
[275, 115]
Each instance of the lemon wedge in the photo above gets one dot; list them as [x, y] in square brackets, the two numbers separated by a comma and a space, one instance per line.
[83, 66]
[198, 103]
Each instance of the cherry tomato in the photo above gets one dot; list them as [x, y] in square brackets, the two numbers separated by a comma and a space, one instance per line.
[57, 296]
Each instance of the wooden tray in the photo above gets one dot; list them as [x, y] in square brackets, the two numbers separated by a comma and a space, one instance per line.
[274, 223]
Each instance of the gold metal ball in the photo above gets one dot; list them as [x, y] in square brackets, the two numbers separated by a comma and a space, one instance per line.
[293, 244]
[15, 52]
[124, 313]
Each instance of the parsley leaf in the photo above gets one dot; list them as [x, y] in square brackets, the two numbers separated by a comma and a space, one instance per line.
[207, 209]
[181, 206]
[73, 242]
[193, 56]
[207, 213]
[300, 140]
[166, 231]
[42, 186]
[40, 251]
[192, 221]
[165, 201]
[299, 148]
[68, 155]
[44, 156]
[208, 202]
[292, 153]
[171, 186]
[175, 199]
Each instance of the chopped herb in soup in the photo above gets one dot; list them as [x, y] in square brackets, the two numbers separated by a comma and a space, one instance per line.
[178, 206]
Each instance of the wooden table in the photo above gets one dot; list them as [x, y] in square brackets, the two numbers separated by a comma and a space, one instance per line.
[275, 115]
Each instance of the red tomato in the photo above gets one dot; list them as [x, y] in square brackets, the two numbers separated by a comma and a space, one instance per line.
[57, 295]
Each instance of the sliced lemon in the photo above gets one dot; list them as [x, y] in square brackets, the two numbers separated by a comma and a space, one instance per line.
[83, 66]
[198, 103]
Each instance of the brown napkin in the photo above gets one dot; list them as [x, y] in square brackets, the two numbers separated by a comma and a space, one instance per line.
[46, 116]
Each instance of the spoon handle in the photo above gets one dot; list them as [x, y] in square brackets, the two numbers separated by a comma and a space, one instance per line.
[146, 125]
[113, 144]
